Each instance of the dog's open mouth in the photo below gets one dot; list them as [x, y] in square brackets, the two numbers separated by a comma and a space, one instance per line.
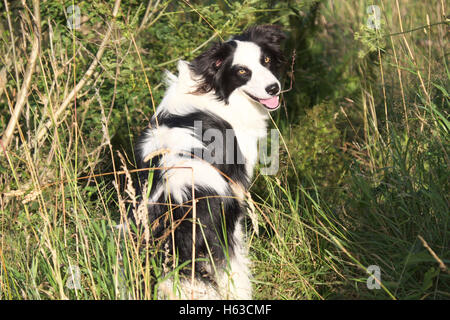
[271, 103]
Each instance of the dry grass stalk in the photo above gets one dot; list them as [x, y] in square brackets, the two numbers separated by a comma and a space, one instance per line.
[23, 94]
[442, 265]
[89, 72]
[141, 214]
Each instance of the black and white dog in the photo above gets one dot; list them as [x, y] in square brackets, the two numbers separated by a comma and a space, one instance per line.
[227, 91]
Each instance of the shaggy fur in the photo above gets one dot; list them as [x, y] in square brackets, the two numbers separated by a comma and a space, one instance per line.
[227, 91]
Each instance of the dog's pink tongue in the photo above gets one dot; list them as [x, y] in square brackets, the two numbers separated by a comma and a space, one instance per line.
[271, 103]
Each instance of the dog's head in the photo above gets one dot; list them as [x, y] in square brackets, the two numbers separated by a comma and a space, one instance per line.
[247, 64]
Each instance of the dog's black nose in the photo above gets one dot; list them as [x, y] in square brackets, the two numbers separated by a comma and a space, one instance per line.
[273, 89]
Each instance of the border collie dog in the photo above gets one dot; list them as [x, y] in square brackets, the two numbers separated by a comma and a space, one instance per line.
[227, 91]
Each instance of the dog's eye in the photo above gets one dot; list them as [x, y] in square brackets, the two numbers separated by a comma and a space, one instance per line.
[266, 60]
[242, 71]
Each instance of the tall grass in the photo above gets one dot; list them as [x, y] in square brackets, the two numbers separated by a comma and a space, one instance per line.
[363, 179]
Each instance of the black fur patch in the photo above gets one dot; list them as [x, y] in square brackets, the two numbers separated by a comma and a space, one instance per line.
[218, 214]
[232, 162]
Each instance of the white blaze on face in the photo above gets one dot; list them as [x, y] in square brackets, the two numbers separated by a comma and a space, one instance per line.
[248, 54]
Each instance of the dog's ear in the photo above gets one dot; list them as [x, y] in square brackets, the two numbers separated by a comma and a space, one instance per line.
[207, 64]
[212, 59]
[265, 35]
[271, 34]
